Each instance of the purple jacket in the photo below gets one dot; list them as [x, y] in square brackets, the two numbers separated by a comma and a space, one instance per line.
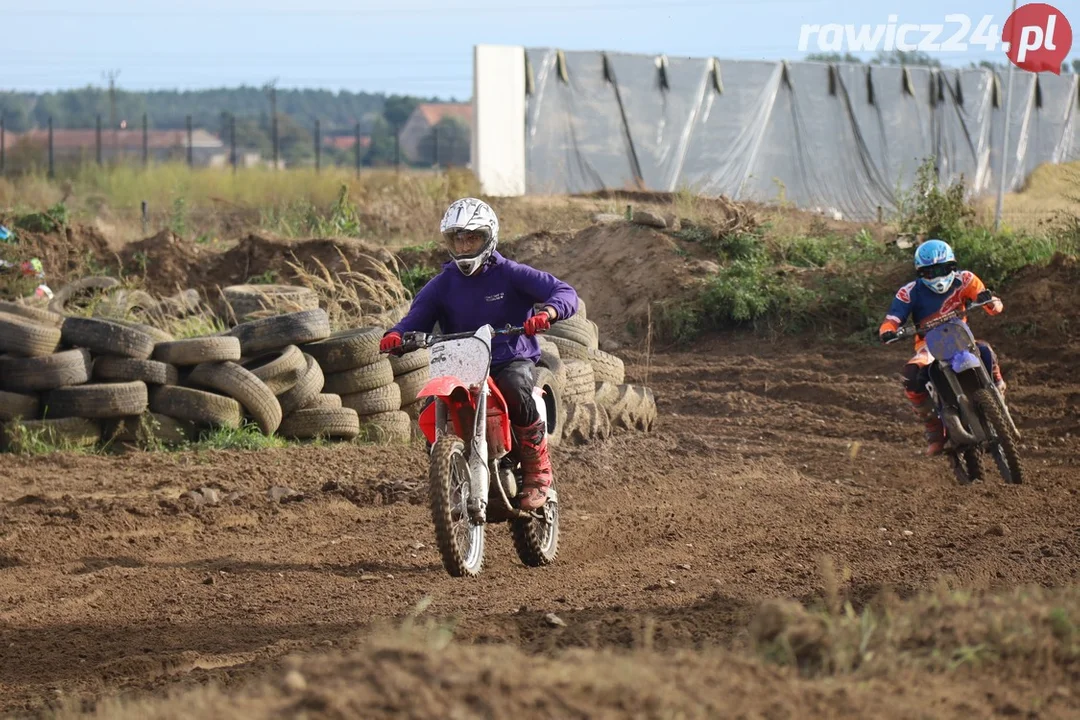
[502, 292]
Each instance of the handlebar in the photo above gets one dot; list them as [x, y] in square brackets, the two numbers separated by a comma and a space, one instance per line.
[921, 330]
[416, 340]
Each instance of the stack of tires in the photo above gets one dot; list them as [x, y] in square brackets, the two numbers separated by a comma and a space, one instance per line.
[595, 398]
[76, 382]
[364, 380]
[275, 352]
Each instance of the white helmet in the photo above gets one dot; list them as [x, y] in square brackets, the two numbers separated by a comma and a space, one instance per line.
[470, 215]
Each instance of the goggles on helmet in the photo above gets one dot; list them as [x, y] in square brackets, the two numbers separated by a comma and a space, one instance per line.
[935, 271]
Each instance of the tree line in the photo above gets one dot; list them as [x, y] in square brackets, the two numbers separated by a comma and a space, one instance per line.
[916, 58]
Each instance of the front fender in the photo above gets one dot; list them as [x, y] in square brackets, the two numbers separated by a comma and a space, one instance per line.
[442, 386]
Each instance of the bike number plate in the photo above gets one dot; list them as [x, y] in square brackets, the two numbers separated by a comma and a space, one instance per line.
[949, 339]
[467, 360]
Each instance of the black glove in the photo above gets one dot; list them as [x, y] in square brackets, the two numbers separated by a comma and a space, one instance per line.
[984, 296]
[888, 336]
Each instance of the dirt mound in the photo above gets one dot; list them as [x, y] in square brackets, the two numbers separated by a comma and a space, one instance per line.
[618, 268]
[76, 250]
[413, 675]
[268, 257]
[166, 261]
[1041, 322]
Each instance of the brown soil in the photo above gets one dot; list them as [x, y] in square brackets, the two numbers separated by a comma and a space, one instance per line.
[765, 458]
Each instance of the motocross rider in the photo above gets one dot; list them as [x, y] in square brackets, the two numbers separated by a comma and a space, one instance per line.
[939, 288]
[479, 286]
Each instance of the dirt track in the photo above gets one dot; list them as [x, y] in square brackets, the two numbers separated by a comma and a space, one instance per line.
[107, 582]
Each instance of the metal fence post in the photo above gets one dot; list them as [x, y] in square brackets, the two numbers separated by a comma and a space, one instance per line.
[52, 168]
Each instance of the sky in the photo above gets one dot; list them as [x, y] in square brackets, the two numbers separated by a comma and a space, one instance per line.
[417, 47]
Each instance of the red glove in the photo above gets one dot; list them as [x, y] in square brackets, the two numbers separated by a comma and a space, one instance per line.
[538, 323]
[389, 342]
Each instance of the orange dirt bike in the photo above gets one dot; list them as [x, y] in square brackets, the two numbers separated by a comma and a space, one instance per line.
[970, 406]
[474, 476]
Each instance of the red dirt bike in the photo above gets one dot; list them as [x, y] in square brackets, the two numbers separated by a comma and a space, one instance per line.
[972, 410]
[474, 476]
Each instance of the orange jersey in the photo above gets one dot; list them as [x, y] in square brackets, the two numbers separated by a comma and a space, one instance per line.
[921, 304]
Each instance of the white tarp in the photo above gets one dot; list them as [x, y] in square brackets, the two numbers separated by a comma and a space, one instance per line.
[848, 137]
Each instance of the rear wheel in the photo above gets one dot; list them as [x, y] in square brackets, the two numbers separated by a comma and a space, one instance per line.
[537, 542]
[461, 543]
[1004, 449]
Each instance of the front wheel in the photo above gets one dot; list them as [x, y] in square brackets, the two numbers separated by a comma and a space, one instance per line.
[1004, 449]
[966, 466]
[537, 542]
[461, 543]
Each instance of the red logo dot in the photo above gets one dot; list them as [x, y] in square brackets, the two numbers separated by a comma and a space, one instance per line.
[1038, 38]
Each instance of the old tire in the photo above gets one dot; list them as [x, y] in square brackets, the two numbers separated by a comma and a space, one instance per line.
[58, 302]
[360, 379]
[27, 338]
[110, 368]
[371, 402]
[280, 369]
[580, 384]
[324, 401]
[629, 407]
[278, 331]
[202, 408]
[607, 367]
[247, 300]
[586, 422]
[27, 312]
[150, 429]
[18, 406]
[241, 385]
[103, 337]
[410, 362]
[553, 403]
[570, 349]
[27, 375]
[346, 349]
[311, 423]
[412, 383]
[306, 389]
[99, 401]
[198, 350]
[575, 328]
[388, 427]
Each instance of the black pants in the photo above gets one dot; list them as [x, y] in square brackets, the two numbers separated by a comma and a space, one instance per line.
[515, 381]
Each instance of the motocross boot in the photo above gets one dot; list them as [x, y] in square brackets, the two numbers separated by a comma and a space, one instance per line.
[925, 411]
[535, 464]
[999, 381]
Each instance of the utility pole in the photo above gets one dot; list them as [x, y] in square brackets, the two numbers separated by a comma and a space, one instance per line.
[1005, 139]
[111, 76]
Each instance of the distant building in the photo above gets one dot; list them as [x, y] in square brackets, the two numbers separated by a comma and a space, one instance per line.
[161, 145]
[425, 117]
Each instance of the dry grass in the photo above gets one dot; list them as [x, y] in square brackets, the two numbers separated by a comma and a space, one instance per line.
[912, 661]
[1030, 630]
[353, 299]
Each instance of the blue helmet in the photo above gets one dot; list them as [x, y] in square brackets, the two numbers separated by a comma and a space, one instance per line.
[935, 264]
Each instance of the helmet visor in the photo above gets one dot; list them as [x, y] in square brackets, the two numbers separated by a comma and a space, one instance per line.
[935, 271]
[466, 243]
